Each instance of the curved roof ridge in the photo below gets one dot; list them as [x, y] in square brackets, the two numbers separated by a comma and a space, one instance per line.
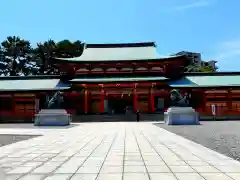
[119, 45]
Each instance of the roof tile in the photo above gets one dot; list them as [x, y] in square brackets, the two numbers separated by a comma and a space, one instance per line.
[207, 81]
[32, 84]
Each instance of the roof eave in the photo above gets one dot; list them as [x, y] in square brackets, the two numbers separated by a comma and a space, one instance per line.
[117, 81]
[30, 77]
[206, 86]
[112, 82]
[67, 60]
[42, 89]
[210, 73]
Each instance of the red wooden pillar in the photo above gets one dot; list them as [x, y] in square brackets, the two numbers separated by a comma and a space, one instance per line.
[13, 104]
[86, 101]
[204, 101]
[229, 102]
[151, 100]
[135, 100]
[190, 91]
[164, 68]
[102, 100]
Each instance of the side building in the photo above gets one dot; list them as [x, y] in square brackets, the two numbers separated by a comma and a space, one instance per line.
[110, 78]
[196, 58]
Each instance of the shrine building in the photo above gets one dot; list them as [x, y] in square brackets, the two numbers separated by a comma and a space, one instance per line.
[110, 78]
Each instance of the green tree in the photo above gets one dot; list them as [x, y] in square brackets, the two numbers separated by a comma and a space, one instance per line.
[15, 52]
[3, 64]
[48, 49]
[207, 69]
[68, 49]
[18, 57]
[43, 54]
[197, 68]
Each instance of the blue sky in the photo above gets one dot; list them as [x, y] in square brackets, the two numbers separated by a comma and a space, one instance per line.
[208, 26]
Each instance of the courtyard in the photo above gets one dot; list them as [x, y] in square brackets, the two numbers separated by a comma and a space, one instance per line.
[112, 150]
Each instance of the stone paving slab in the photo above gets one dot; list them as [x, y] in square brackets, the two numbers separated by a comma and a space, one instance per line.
[107, 151]
[6, 139]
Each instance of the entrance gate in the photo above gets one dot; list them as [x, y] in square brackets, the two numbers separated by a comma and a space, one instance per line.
[119, 105]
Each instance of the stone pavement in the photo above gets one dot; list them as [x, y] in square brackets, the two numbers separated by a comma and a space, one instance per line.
[112, 151]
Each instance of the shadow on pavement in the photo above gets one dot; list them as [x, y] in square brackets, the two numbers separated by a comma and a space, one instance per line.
[31, 126]
[6, 139]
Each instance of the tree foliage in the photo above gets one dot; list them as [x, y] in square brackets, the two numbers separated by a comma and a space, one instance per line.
[15, 52]
[17, 57]
[68, 49]
[197, 68]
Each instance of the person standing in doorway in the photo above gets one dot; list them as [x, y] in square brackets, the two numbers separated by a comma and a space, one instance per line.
[138, 115]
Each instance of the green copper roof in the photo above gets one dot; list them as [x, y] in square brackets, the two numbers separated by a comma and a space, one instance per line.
[119, 79]
[117, 52]
[207, 81]
[32, 85]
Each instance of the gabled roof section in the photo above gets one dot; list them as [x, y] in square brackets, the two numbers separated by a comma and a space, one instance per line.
[115, 52]
[207, 81]
[35, 77]
[32, 85]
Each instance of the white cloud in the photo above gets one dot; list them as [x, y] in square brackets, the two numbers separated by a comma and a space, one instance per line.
[196, 4]
[228, 49]
[227, 54]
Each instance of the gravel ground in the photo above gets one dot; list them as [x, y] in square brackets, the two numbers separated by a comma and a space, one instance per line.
[221, 136]
[6, 139]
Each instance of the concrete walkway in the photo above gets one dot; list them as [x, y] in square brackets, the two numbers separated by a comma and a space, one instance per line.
[112, 151]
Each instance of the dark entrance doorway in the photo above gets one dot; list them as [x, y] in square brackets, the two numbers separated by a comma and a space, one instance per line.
[118, 105]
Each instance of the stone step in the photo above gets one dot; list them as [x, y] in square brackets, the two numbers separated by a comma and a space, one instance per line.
[116, 118]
